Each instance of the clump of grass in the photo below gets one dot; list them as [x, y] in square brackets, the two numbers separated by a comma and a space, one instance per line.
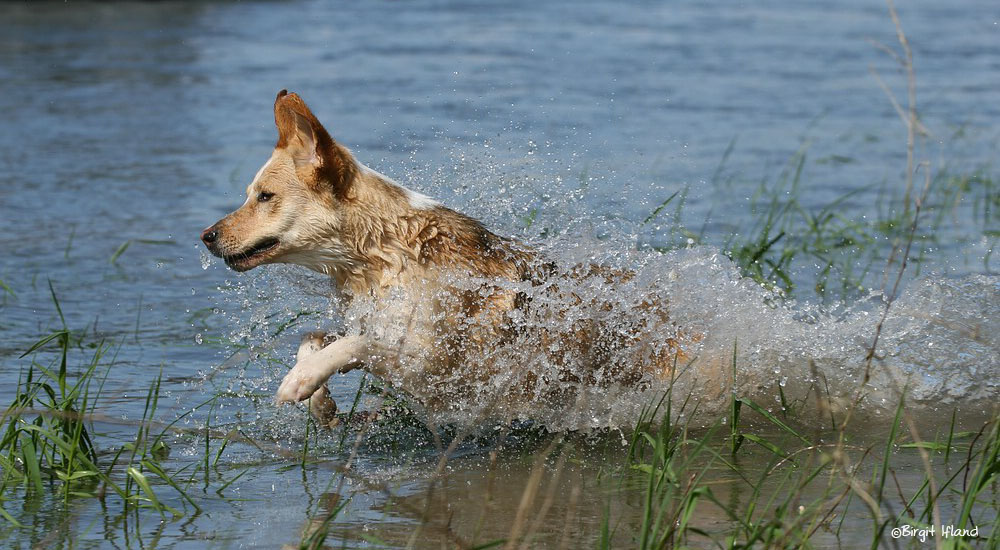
[805, 490]
[830, 251]
[48, 440]
[675, 466]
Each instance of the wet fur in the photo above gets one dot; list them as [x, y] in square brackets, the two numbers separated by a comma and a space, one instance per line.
[313, 204]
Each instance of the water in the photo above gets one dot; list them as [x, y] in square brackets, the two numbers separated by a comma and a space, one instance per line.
[142, 123]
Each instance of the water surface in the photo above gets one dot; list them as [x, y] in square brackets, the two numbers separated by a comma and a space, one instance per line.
[141, 123]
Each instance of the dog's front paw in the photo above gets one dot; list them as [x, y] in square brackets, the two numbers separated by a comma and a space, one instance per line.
[298, 385]
[301, 382]
[323, 408]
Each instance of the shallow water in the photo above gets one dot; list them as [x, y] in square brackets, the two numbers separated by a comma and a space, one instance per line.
[564, 125]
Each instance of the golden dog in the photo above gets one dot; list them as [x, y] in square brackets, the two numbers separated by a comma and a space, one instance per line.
[440, 307]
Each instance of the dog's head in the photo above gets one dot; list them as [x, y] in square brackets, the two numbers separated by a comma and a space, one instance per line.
[294, 199]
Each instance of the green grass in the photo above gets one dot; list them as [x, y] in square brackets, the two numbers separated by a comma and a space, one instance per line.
[48, 442]
[50, 446]
[806, 489]
[839, 250]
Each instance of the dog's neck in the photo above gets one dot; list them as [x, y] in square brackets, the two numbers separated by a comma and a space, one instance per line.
[386, 233]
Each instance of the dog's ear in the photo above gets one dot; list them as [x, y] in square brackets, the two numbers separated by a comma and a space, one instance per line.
[301, 134]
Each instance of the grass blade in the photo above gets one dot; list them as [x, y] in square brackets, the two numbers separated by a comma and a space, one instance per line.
[121, 250]
[763, 412]
[656, 211]
[7, 289]
[31, 465]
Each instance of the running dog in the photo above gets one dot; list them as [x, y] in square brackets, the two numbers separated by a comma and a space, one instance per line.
[439, 304]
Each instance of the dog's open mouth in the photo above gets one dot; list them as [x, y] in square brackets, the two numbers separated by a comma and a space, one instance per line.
[252, 256]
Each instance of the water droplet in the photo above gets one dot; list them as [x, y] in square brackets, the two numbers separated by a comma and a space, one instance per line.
[197, 339]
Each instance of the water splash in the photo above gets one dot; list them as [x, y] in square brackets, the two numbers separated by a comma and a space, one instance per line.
[940, 341]
[205, 258]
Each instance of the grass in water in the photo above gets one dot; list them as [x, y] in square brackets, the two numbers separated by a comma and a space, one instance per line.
[47, 443]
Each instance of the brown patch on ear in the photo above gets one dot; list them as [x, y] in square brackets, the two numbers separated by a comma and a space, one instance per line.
[298, 128]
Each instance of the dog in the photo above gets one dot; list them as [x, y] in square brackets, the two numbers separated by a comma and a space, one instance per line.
[440, 307]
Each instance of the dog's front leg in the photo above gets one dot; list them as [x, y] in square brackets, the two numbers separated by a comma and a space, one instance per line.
[313, 369]
[321, 406]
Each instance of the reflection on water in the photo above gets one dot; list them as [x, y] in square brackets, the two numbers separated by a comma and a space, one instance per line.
[129, 127]
[562, 492]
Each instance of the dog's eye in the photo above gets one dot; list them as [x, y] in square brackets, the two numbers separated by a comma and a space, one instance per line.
[264, 196]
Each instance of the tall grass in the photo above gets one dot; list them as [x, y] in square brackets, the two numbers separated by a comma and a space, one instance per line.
[48, 440]
[806, 489]
[50, 445]
[834, 253]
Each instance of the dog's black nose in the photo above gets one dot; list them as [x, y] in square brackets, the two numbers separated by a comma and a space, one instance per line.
[209, 235]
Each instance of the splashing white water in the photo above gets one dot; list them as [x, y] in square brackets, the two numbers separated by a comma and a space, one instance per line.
[940, 341]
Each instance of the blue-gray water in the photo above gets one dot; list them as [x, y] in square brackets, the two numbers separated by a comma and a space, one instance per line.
[143, 122]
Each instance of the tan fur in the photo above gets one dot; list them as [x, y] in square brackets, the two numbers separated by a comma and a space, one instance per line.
[312, 204]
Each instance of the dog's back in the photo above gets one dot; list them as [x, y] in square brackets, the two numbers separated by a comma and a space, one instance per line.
[445, 309]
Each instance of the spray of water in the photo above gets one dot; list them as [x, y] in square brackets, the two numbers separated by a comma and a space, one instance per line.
[578, 356]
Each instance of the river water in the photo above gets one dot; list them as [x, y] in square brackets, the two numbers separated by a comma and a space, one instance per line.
[128, 127]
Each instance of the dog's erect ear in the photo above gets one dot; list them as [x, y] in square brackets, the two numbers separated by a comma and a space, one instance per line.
[301, 134]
